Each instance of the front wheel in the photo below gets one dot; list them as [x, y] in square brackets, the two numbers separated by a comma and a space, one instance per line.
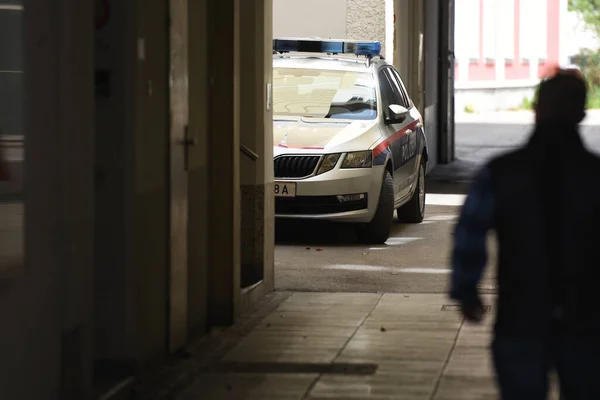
[378, 230]
[414, 210]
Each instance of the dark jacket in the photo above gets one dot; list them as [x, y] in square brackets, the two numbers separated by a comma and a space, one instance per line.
[546, 214]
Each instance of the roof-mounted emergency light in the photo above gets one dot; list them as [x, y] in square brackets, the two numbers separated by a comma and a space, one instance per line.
[368, 49]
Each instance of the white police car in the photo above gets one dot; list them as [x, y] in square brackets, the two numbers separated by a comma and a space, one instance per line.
[349, 144]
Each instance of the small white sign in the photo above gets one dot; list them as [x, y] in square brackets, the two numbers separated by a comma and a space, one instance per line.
[141, 47]
[269, 96]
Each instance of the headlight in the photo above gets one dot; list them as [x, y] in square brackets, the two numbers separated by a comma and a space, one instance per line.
[329, 162]
[359, 159]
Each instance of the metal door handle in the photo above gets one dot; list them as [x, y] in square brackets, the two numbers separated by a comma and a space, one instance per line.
[189, 142]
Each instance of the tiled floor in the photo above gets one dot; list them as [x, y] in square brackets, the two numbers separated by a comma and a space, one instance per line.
[420, 351]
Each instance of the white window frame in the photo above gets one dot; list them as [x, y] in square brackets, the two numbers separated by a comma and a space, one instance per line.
[505, 26]
[542, 39]
[490, 30]
[466, 30]
[533, 29]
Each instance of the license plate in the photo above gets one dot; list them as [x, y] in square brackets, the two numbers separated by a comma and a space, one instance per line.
[285, 189]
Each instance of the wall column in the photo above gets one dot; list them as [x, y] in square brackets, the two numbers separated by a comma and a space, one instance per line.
[198, 169]
[224, 163]
[256, 137]
[409, 46]
[45, 307]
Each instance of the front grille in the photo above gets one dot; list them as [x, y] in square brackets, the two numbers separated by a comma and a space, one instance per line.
[295, 166]
[303, 205]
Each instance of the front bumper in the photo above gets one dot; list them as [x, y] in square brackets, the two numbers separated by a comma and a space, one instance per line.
[316, 197]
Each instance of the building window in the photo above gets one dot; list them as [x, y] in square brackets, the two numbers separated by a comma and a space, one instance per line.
[489, 30]
[542, 28]
[466, 29]
[505, 13]
[533, 29]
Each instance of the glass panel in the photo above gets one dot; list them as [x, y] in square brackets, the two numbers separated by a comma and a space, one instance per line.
[324, 94]
[387, 93]
[11, 137]
[401, 96]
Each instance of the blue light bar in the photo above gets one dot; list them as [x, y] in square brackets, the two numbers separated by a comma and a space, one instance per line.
[368, 49]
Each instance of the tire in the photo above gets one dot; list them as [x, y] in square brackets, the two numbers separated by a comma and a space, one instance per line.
[414, 211]
[378, 230]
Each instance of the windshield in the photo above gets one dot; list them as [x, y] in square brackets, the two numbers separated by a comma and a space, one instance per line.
[324, 94]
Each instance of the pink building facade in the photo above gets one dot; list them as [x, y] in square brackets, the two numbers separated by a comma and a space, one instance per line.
[502, 47]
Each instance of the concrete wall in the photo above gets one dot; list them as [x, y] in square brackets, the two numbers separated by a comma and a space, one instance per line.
[493, 97]
[337, 19]
[45, 309]
[97, 281]
[431, 49]
[366, 20]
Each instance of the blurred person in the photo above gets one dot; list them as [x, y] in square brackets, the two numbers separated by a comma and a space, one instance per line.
[543, 203]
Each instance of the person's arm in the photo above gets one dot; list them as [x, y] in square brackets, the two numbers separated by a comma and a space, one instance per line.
[469, 253]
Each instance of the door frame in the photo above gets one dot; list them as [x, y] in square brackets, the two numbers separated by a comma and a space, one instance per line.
[446, 82]
[179, 144]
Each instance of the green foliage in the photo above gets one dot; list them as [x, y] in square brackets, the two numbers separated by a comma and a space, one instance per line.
[589, 62]
[593, 102]
[589, 10]
[469, 109]
[526, 104]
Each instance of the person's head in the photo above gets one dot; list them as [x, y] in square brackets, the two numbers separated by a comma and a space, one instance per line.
[561, 98]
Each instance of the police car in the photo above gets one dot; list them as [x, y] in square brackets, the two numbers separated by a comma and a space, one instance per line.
[349, 144]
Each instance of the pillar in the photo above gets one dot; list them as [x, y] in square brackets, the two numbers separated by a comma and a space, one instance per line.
[408, 52]
[224, 163]
[256, 139]
[198, 169]
[45, 309]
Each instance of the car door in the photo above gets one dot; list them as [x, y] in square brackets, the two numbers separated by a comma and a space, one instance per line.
[395, 132]
[410, 151]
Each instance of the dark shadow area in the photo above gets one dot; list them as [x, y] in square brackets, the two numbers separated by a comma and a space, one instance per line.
[447, 186]
[321, 233]
[314, 232]
[333, 368]
[112, 379]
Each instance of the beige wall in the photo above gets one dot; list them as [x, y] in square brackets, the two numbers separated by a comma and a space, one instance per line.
[337, 19]
[366, 21]
[303, 18]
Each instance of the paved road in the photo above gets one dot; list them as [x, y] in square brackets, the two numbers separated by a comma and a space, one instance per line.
[322, 258]
[478, 142]
[326, 258]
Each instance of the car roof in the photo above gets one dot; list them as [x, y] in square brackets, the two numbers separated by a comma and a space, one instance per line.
[333, 63]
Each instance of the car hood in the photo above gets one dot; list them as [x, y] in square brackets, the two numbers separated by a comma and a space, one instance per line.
[319, 134]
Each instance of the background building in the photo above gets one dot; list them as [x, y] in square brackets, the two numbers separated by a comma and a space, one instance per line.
[501, 48]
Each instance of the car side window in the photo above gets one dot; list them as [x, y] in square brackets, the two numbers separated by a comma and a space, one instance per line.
[401, 97]
[387, 93]
[403, 88]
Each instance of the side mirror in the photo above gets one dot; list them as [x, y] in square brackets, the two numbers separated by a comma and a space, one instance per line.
[397, 114]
